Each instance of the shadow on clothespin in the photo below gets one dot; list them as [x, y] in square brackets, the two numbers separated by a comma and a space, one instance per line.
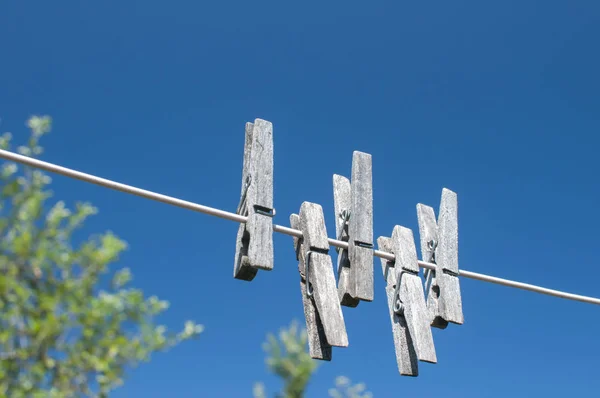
[406, 301]
[353, 202]
[439, 245]
[324, 319]
[254, 243]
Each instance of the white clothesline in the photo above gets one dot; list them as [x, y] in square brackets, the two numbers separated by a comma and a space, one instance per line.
[53, 168]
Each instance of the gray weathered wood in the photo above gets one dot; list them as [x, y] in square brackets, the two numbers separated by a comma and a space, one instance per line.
[320, 273]
[448, 231]
[260, 197]
[411, 293]
[361, 227]
[254, 243]
[312, 224]
[242, 268]
[406, 357]
[443, 286]
[355, 265]
[318, 347]
[342, 203]
[447, 257]
[428, 233]
[298, 244]
[403, 247]
[361, 220]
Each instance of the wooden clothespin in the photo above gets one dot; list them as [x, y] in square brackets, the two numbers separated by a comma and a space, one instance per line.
[318, 346]
[410, 318]
[353, 202]
[254, 244]
[324, 319]
[406, 357]
[439, 245]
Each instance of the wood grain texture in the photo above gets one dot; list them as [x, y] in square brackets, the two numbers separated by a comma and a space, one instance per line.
[447, 257]
[312, 224]
[406, 356]
[254, 241]
[403, 247]
[320, 274]
[325, 296]
[343, 202]
[361, 271]
[428, 232]
[361, 221]
[448, 232]
[450, 299]
[361, 226]
[417, 317]
[260, 168]
[260, 197]
[318, 347]
[444, 299]
[298, 246]
[411, 293]
[241, 267]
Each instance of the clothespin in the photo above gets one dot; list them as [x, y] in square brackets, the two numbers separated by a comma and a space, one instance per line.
[317, 342]
[439, 245]
[353, 202]
[323, 313]
[408, 310]
[254, 243]
[406, 357]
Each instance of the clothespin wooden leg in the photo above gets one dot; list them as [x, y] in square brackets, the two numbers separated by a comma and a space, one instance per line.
[342, 200]
[354, 224]
[319, 274]
[410, 295]
[439, 245]
[242, 268]
[254, 245]
[318, 347]
[406, 356]
[451, 305]
[361, 227]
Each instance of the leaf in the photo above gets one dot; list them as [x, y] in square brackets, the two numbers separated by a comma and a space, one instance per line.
[40, 125]
[63, 332]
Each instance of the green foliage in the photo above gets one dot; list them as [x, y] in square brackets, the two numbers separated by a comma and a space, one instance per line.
[288, 358]
[62, 332]
[345, 389]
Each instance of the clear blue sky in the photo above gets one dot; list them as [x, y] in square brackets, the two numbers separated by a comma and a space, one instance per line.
[498, 101]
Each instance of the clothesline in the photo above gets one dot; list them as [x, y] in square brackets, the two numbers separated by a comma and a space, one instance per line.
[53, 168]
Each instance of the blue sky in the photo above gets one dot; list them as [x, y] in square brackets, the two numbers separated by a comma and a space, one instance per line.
[497, 101]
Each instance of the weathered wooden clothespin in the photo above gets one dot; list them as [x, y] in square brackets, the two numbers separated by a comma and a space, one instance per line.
[406, 300]
[406, 357]
[324, 319]
[353, 202]
[254, 244]
[439, 245]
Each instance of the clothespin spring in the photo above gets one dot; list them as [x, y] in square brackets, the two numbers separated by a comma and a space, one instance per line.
[345, 217]
[242, 210]
[427, 273]
[242, 205]
[398, 305]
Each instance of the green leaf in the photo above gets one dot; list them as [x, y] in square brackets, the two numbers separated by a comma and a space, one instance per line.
[62, 334]
[40, 125]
